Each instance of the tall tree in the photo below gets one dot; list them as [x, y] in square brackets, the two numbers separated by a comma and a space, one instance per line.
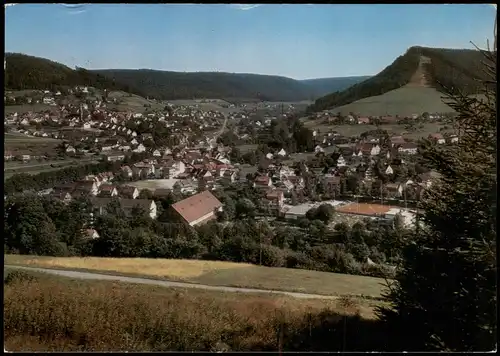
[444, 297]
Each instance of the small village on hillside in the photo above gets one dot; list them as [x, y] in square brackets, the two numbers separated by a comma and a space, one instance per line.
[359, 176]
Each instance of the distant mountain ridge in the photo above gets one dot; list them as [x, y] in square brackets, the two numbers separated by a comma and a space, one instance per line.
[29, 72]
[457, 69]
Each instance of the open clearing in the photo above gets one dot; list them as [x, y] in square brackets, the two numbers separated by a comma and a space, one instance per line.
[216, 273]
[21, 109]
[153, 184]
[358, 129]
[365, 306]
[404, 101]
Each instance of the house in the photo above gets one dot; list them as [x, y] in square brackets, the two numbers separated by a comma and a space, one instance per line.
[85, 187]
[409, 148]
[197, 209]
[127, 191]
[397, 140]
[140, 148]
[368, 149]
[282, 153]
[25, 157]
[127, 205]
[262, 182]
[453, 139]
[61, 195]
[394, 190]
[276, 200]
[127, 171]
[363, 120]
[437, 138]
[318, 149]
[389, 170]
[107, 190]
[229, 176]
[91, 234]
[114, 157]
[156, 153]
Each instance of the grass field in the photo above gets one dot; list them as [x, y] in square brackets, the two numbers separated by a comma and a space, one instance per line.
[404, 101]
[22, 144]
[217, 273]
[49, 313]
[15, 167]
[132, 102]
[21, 109]
[356, 130]
[153, 184]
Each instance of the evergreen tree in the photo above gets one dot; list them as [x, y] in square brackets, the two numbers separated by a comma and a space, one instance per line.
[444, 297]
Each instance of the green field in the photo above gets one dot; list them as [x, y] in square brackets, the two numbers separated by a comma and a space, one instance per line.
[216, 273]
[21, 109]
[404, 101]
[15, 167]
[356, 130]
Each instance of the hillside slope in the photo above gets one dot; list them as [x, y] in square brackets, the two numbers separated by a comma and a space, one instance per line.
[323, 86]
[418, 67]
[211, 85]
[29, 72]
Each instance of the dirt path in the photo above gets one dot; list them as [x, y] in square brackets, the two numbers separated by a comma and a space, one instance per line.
[106, 277]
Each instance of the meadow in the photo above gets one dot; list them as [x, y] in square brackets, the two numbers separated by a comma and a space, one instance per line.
[48, 313]
[216, 273]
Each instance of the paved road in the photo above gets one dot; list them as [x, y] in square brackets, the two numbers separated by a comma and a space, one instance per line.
[105, 277]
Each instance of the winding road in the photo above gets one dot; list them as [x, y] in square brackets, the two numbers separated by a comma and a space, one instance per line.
[107, 277]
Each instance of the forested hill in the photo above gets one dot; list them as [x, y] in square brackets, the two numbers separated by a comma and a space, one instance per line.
[29, 72]
[181, 85]
[453, 68]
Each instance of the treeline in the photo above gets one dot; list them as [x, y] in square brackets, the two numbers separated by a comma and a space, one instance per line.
[28, 72]
[177, 85]
[44, 226]
[454, 68]
[24, 182]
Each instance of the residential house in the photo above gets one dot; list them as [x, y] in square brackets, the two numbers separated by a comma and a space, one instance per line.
[282, 153]
[394, 190]
[197, 209]
[275, 200]
[127, 205]
[397, 140]
[437, 138]
[127, 191]
[84, 187]
[127, 171]
[229, 176]
[389, 170]
[91, 234]
[107, 190]
[369, 149]
[409, 148]
[140, 148]
[262, 181]
[113, 156]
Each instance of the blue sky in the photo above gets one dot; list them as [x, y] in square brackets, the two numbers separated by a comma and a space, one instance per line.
[297, 41]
